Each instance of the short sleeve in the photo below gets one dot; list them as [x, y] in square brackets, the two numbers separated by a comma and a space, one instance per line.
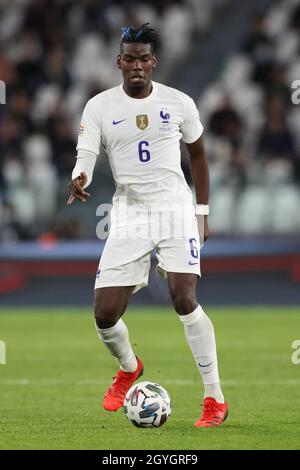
[191, 127]
[89, 137]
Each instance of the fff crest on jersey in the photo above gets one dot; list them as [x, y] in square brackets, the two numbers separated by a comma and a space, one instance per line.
[142, 121]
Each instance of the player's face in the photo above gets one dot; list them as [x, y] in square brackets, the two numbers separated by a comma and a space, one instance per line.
[136, 63]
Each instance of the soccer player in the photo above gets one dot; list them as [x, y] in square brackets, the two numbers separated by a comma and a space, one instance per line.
[140, 124]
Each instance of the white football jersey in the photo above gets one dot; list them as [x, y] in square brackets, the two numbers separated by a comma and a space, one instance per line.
[141, 138]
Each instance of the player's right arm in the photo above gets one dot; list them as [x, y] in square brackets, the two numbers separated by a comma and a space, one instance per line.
[88, 148]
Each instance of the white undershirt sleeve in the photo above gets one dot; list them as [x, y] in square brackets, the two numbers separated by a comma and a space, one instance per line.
[90, 130]
[89, 140]
[86, 161]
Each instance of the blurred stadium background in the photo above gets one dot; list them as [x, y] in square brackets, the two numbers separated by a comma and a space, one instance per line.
[237, 59]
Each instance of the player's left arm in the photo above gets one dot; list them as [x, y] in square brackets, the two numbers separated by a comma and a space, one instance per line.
[200, 177]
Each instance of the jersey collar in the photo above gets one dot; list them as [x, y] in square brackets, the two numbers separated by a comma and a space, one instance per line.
[140, 100]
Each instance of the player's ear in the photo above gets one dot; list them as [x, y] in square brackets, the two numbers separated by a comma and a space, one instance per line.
[119, 61]
[154, 61]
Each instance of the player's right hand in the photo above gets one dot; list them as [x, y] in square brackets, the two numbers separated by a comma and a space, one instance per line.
[76, 189]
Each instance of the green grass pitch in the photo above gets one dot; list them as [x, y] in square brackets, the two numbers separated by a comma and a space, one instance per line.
[57, 371]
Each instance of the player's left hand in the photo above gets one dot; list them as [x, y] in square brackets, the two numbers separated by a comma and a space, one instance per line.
[202, 223]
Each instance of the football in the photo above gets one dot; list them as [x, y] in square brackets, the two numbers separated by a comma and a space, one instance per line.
[147, 405]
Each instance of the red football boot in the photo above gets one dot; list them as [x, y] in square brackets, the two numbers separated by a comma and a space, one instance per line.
[115, 394]
[214, 413]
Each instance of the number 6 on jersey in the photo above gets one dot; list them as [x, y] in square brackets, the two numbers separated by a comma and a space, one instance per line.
[144, 154]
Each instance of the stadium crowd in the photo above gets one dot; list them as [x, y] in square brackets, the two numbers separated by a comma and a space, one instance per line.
[55, 54]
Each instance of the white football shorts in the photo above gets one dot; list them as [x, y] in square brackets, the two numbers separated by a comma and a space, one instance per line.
[126, 258]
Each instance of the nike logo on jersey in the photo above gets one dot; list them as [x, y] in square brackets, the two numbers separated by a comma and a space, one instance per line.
[205, 365]
[118, 122]
[191, 263]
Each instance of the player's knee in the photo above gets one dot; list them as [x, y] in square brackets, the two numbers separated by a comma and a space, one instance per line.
[104, 318]
[106, 312]
[184, 303]
[104, 323]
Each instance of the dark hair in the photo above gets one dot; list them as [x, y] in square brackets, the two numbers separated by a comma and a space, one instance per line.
[144, 34]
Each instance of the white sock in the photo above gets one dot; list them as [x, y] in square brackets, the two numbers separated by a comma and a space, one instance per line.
[199, 332]
[116, 339]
